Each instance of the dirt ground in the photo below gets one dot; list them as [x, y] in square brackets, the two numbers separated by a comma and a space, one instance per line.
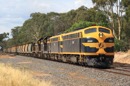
[3, 55]
[122, 57]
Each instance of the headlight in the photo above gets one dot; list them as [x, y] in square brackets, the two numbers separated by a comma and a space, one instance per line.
[109, 40]
[89, 40]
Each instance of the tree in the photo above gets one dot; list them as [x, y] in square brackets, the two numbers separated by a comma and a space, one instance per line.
[83, 24]
[108, 6]
[2, 41]
[16, 35]
[42, 25]
[3, 36]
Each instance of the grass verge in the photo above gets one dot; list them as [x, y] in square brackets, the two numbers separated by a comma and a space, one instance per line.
[10, 76]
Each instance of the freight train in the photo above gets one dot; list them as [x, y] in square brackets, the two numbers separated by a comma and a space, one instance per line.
[90, 46]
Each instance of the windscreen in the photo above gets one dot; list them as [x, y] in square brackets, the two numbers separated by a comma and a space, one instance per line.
[91, 30]
[104, 30]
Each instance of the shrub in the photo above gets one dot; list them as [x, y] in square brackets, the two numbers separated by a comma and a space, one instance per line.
[121, 45]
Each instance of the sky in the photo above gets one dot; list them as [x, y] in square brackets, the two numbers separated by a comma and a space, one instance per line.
[14, 12]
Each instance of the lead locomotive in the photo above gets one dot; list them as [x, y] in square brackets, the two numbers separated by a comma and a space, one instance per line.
[91, 46]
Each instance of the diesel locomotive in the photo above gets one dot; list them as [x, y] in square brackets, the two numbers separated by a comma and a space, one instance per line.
[90, 46]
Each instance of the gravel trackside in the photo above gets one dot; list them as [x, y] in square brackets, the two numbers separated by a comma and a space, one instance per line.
[63, 74]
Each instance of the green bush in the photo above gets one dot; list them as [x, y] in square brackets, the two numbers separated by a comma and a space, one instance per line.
[83, 24]
[121, 45]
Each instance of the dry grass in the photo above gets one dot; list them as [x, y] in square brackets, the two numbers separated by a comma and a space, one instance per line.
[16, 77]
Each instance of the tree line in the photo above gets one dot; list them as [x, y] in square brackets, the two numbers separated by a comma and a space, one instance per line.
[114, 14]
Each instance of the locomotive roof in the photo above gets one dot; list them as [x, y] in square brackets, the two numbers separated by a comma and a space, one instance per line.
[77, 31]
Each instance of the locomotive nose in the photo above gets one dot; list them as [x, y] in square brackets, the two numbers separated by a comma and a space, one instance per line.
[106, 44]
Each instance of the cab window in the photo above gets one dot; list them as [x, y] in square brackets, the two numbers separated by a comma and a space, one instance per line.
[91, 30]
[104, 30]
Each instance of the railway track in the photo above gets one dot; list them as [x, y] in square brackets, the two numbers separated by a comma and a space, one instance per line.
[119, 68]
